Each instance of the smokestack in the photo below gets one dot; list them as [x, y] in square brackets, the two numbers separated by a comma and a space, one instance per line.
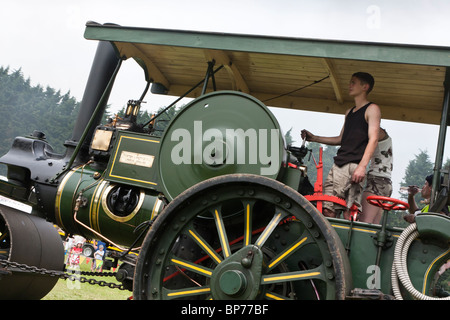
[103, 66]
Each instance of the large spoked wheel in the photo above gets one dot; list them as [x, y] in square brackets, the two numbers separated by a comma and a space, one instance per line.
[241, 237]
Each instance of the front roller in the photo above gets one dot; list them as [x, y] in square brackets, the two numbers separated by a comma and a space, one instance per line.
[241, 236]
[30, 240]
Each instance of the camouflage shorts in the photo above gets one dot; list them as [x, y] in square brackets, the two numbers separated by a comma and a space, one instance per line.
[379, 186]
[339, 184]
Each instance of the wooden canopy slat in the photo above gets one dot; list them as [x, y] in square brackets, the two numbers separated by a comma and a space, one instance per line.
[408, 79]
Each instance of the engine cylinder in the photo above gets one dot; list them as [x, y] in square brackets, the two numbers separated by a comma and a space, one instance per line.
[108, 209]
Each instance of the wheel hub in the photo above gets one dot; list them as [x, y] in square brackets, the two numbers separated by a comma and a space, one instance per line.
[238, 276]
[232, 282]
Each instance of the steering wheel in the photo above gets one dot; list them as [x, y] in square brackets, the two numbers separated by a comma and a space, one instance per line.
[387, 203]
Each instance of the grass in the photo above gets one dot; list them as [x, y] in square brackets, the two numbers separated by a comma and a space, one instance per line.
[68, 290]
[75, 290]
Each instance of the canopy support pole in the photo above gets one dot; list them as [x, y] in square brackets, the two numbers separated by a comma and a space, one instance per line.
[441, 139]
[209, 74]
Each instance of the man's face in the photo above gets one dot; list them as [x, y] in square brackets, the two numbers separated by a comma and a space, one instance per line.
[426, 190]
[356, 88]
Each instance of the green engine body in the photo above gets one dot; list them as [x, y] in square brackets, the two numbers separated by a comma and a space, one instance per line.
[111, 210]
[133, 175]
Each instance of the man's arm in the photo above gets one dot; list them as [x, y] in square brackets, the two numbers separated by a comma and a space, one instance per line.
[373, 118]
[411, 217]
[331, 141]
[412, 191]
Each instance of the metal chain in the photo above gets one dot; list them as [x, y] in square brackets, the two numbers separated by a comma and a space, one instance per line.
[70, 275]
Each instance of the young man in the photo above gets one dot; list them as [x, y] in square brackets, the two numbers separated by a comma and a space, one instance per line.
[358, 139]
[378, 180]
[426, 195]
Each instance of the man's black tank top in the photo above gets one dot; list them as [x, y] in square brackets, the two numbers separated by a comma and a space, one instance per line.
[354, 138]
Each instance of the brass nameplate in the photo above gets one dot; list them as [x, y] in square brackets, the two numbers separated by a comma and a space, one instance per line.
[137, 159]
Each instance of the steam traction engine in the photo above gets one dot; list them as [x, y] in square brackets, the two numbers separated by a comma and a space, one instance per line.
[212, 209]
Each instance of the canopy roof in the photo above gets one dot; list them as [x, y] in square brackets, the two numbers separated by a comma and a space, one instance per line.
[409, 80]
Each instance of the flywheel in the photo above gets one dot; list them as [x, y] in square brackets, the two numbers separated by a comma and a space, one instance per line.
[245, 237]
[222, 132]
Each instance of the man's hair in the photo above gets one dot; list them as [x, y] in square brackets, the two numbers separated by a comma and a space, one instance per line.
[365, 78]
[429, 179]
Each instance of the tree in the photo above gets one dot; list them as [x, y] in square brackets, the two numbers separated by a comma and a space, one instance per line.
[327, 159]
[24, 108]
[288, 138]
[416, 171]
[446, 165]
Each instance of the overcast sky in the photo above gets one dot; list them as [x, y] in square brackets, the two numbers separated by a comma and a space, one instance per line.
[45, 39]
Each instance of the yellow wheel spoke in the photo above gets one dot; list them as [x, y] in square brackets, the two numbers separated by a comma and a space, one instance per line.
[248, 223]
[3, 236]
[192, 266]
[286, 253]
[186, 292]
[205, 246]
[275, 296]
[222, 233]
[292, 276]
[269, 229]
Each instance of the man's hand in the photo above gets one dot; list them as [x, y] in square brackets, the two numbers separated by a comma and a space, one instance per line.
[359, 174]
[413, 190]
[306, 135]
[409, 218]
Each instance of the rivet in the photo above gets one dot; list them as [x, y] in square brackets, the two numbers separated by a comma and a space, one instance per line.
[246, 263]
